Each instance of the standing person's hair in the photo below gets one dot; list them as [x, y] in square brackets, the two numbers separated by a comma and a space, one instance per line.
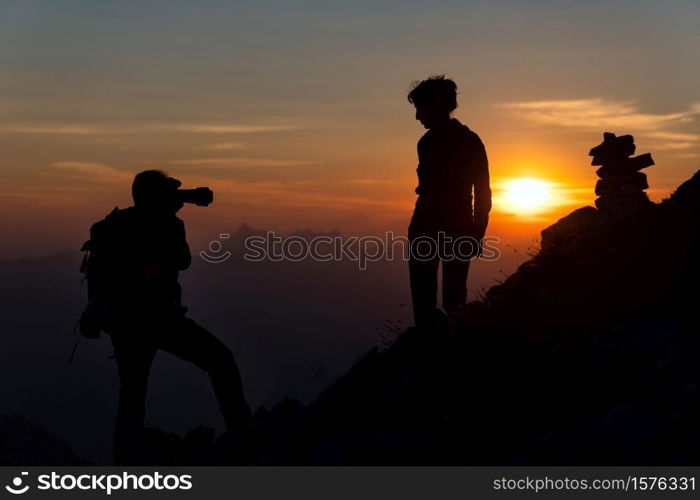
[436, 90]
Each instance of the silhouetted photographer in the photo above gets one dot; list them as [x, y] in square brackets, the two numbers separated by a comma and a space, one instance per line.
[132, 267]
[454, 198]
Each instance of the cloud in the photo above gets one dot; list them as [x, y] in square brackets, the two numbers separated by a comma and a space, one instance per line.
[664, 140]
[286, 196]
[674, 145]
[674, 136]
[601, 114]
[91, 129]
[224, 146]
[244, 162]
[369, 182]
[231, 129]
[597, 113]
[53, 129]
[92, 172]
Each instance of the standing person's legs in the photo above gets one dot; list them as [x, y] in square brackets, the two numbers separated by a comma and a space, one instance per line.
[134, 359]
[454, 284]
[455, 268]
[187, 340]
[423, 263]
[424, 286]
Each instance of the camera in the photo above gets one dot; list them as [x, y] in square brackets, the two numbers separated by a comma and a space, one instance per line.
[201, 196]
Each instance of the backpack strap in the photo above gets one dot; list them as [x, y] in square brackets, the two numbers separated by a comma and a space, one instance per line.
[75, 346]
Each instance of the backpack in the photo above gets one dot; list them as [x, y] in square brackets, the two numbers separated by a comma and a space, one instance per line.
[95, 268]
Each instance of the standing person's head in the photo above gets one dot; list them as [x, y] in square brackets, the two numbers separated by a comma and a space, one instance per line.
[435, 99]
[153, 190]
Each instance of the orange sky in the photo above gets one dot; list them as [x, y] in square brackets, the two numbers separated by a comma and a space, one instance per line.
[297, 116]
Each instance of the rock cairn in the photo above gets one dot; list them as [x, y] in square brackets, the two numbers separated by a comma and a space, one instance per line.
[621, 186]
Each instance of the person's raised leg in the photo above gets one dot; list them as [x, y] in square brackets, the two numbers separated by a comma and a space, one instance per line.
[187, 340]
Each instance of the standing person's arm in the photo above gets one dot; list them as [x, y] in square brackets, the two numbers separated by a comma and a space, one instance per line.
[422, 170]
[482, 190]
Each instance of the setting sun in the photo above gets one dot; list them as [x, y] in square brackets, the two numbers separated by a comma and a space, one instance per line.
[527, 193]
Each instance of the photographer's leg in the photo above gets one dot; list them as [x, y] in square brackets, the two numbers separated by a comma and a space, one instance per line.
[134, 361]
[189, 341]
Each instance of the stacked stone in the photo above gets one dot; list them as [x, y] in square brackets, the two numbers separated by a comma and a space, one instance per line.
[621, 186]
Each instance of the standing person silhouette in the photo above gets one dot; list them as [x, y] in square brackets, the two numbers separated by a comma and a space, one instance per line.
[136, 256]
[454, 198]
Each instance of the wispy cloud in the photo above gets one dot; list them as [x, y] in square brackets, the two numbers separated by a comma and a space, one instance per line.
[92, 172]
[94, 129]
[55, 129]
[244, 162]
[224, 146]
[602, 114]
[200, 128]
[597, 113]
[673, 140]
[674, 136]
[287, 197]
[369, 181]
[668, 145]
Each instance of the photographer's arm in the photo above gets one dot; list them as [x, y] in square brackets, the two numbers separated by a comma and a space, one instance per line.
[181, 250]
